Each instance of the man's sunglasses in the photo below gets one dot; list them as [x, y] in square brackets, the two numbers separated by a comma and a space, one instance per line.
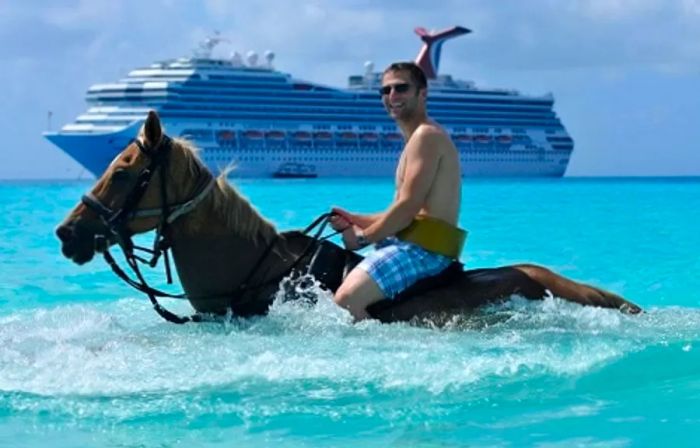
[398, 88]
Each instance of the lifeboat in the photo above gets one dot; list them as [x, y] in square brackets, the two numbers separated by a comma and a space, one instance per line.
[346, 135]
[225, 135]
[253, 134]
[504, 139]
[301, 136]
[275, 135]
[322, 135]
[369, 137]
[462, 138]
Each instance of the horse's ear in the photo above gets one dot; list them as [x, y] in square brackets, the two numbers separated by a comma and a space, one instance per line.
[152, 128]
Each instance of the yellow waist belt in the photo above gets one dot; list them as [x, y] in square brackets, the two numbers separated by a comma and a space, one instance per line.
[435, 235]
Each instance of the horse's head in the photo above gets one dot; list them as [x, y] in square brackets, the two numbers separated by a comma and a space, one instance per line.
[130, 197]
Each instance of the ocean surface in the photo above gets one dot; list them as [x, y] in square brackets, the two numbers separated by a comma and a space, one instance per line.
[84, 361]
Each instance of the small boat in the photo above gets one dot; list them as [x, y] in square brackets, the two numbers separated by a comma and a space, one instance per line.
[295, 170]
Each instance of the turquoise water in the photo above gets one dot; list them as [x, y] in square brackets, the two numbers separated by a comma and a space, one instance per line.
[84, 361]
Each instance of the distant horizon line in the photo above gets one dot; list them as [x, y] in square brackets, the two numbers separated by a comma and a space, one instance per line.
[496, 178]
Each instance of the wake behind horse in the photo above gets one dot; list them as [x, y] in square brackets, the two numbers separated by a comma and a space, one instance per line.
[229, 258]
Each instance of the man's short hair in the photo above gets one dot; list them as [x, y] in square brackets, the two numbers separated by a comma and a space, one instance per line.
[417, 75]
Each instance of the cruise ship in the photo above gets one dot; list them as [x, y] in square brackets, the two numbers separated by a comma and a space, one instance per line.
[241, 111]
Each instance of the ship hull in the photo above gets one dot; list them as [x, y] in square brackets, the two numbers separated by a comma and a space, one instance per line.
[95, 152]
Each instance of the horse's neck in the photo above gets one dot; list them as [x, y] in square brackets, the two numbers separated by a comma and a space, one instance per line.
[213, 260]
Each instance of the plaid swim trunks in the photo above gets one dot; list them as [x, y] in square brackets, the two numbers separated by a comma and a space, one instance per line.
[395, 265]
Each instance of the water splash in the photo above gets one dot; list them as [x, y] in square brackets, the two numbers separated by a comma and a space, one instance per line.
[113, 362]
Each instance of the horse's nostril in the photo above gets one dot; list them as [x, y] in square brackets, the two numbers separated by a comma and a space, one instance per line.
[64, 233]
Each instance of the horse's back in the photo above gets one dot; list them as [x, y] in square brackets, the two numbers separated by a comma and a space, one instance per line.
[458, 294]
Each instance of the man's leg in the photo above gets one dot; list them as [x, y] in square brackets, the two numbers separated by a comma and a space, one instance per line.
[357, 292]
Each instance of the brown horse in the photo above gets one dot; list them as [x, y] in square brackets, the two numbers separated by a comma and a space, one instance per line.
[230, 258]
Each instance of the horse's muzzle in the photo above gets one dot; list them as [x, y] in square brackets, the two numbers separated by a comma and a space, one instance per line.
[79, 241]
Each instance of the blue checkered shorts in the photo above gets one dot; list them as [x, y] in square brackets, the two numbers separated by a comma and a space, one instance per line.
[395, 265]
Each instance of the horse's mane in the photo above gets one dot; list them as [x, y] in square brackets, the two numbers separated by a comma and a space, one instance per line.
[236, 211]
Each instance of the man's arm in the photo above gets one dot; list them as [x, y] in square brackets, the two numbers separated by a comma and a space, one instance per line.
[342, 220]
[365, 221]
[422, 161]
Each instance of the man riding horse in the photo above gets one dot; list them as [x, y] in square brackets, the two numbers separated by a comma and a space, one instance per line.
[428, 194]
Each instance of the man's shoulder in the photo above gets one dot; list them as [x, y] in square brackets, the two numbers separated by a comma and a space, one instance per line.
[430, 130]
[430, 135]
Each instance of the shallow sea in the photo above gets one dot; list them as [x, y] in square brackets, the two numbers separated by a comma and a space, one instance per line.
[84, 361]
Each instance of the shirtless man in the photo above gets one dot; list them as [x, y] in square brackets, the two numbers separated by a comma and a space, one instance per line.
[428, 182]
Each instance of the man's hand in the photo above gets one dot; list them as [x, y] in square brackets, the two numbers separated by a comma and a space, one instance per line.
[340, 219]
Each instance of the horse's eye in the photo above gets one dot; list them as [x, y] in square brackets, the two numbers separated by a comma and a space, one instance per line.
[120, 175]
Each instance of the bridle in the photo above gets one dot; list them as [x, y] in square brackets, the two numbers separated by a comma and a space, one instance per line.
[116, 221]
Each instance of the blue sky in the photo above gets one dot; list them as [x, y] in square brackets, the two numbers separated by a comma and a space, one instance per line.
[625, 73]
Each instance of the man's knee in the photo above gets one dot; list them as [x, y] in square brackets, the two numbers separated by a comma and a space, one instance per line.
[342, 296]
[351, 302]
[357, 292]
[348, 294]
